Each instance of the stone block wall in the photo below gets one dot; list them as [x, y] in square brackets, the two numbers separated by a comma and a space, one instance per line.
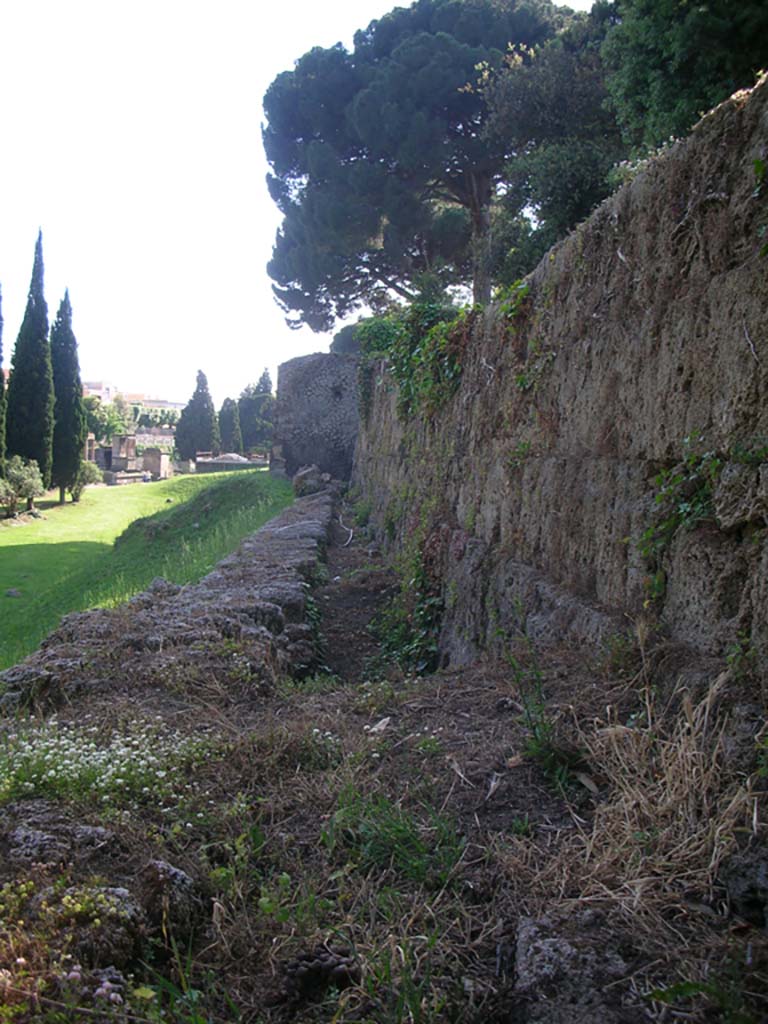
[636, 364]
[316, 420]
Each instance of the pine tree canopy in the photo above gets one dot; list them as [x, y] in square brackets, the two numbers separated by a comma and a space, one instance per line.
[29, 409]
[198, 426]
[381, 167]
[71, 424]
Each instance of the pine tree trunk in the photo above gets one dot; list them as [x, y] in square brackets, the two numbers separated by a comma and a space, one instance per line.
[62, 494]
[479, 195]
[481, 256]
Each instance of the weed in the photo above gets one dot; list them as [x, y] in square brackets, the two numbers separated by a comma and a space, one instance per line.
[142, 765]
[510, 299]
[398, 981]
[741, 656]
[408, 628]
[725, 993]
[620, 654]
[315, 685]
[518, 455]
[541, 746]
[424, 345]
[751, 452]
[385, 835]
[685, 500]
[521, 827]
[362, 513]
[429, 746]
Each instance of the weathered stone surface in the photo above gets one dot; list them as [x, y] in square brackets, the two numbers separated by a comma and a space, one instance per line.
[745, 877]
[309, 480]
[316, 419]
[642, 329]
[170, 899]
[37, 831]
[563, 979]
[171, 633]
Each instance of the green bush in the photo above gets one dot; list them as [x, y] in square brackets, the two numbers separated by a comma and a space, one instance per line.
[88, 473]
[424, 345]
[23, 480]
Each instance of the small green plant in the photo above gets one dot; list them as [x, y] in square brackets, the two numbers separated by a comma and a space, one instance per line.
[685, 500]
[762, 757]
[401, 984]
[725, 993]
[620, 654]
[531, 375]
[362, 513]
[752, 452]
[541, 746]
[518, 455]
[521, 827]
[741, 656]
[510, 299]
[383, 834]
[424, 345]
[429, 746]
[140, 765]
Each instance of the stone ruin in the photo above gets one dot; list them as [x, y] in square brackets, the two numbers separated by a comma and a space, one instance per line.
[316, 419]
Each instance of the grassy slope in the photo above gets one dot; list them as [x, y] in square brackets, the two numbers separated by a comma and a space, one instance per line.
[70, 561]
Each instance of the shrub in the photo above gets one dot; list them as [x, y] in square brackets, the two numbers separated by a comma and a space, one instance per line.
[88, 473]
[22, 480]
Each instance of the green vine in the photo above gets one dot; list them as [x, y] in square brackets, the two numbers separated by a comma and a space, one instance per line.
[685, 500]
[424, 345]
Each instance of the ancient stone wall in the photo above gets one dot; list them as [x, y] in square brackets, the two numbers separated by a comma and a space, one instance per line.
[630, 388]
[316, 419]
[244, 624]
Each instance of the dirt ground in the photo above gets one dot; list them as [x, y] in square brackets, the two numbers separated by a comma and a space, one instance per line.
[371, 847]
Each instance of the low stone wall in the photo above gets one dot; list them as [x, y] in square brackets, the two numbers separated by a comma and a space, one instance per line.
[245, 623]
[636, 366]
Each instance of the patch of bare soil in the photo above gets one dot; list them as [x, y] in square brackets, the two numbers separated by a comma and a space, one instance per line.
[359, 583]
[502, 843]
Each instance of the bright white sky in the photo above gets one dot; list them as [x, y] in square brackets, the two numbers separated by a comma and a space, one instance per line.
[131, 134]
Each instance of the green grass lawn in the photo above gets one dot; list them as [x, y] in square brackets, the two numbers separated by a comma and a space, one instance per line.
[96, 553]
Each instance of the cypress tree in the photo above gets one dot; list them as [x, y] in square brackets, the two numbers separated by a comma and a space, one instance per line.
[71, 426]
[29, 408]
[198, 426]
[2, 395]
[229, 427]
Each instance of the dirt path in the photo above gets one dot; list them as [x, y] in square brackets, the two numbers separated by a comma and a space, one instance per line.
[359, 585]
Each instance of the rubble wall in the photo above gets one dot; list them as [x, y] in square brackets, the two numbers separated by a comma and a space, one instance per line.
[636, 366]
[244, 624]
[316, 420]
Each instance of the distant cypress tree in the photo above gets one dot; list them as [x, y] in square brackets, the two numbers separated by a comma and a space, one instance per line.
[198, 426]
[264, 386]
[29, 409]
[71, 427]
[2, 395]
[256, 406]
[229, 427]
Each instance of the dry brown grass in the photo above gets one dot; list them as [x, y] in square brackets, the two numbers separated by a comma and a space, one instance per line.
[676, 805]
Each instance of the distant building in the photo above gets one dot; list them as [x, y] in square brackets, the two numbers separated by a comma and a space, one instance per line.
[99, 389]
[108, 392]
